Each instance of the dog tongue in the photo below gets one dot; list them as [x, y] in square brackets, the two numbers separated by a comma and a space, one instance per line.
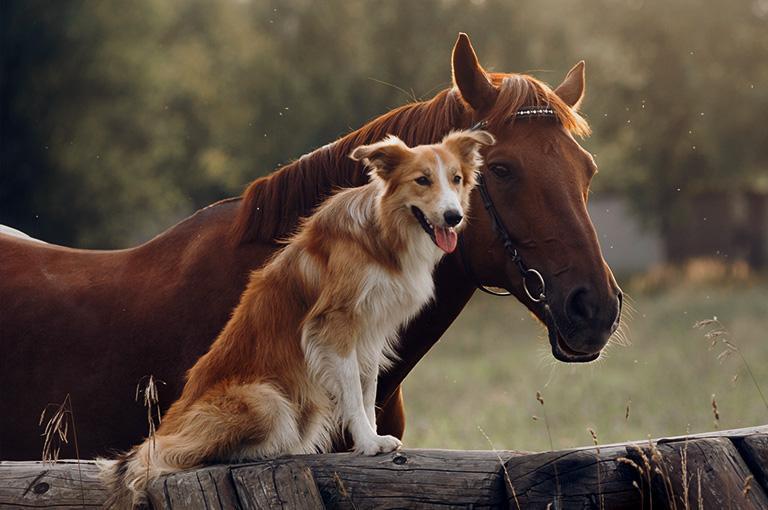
[445, 238]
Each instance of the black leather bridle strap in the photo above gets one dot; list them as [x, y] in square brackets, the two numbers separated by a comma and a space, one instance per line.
[501, 232]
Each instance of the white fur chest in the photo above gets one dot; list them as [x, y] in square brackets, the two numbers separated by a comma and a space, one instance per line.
[389, 300]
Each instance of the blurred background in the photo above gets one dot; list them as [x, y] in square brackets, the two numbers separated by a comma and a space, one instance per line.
[118, 119]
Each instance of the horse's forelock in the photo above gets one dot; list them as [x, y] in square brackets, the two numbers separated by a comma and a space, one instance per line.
[521, 90]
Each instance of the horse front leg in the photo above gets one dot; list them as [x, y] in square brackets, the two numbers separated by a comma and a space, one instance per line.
[452, 292]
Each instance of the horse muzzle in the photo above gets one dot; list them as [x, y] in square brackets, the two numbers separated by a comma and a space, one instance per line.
[587, 327]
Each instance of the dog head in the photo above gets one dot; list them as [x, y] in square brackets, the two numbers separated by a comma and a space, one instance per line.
[431, 182]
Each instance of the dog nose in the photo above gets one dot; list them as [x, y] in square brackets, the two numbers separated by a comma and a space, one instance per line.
[452, 217]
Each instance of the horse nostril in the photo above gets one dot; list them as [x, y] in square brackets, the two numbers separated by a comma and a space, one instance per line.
[578, 308]
[452, 217]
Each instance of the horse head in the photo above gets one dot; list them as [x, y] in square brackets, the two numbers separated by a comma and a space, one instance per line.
[534, 190]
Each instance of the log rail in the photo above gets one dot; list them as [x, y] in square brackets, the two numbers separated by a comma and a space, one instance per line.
[725, 469]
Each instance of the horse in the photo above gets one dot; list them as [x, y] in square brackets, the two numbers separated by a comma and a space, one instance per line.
[85, 326]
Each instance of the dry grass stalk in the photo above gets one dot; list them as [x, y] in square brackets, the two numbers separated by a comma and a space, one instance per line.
[593, 434]
[747, 486]
[634, 465]
[540, 400]
[715, 412]
[626, 412]
[56, 434]
[661, 469]
[700, 499]
[147, 388]
[600, 494]
[684, 473]
[503, 467]
[343, 489]
[717, 334]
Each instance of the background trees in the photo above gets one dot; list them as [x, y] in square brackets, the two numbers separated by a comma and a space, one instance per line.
[119, 118]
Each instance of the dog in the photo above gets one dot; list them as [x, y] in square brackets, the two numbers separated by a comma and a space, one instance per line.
[297, 363]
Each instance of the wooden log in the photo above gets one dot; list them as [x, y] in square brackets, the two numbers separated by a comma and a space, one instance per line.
[284, 483]
[575, 479]
[708, 473]
[208, 487]
[67, 484]
[412, 479]
[754, 450]
[611, 477]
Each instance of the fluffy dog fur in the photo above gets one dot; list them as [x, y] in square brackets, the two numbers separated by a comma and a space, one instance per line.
[299, 359]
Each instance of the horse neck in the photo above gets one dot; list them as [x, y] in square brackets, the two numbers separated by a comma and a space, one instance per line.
[417, 123]
[273, 205]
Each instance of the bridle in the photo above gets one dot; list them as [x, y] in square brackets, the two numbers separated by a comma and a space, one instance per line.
[501, 232]
[527, 273]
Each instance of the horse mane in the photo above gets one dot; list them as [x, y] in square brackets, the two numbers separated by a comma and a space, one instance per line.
[273, 205]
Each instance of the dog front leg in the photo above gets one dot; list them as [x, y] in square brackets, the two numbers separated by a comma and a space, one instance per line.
[369, 377]
[353, 411]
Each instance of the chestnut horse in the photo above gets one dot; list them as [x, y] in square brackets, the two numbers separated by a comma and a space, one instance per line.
[91, 324]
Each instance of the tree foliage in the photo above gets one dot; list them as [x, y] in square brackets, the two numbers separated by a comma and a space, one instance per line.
[119, 118]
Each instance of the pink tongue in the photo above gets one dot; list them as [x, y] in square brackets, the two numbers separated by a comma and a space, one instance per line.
[445, 239]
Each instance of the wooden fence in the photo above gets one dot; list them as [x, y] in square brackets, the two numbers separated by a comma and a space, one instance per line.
[718, 470]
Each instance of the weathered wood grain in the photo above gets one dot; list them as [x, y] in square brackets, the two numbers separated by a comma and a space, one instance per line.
[698, 472]
[208, 488]
[412, 479]
[754, 450]
[662, 474]
[284, 483]
[575, 479]
[66, 484]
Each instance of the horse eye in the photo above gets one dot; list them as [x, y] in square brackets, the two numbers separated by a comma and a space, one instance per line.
[456, 179]
[501, 171]
[423, 181]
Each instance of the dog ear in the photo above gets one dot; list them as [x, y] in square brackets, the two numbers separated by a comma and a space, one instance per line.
[382, 157]
[466, 144]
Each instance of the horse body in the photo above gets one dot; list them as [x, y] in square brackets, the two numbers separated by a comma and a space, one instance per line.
[92, 324]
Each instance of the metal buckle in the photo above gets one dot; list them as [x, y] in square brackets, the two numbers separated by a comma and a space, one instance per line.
[542, 296]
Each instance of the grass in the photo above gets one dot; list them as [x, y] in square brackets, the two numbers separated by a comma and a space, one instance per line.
[486, 371]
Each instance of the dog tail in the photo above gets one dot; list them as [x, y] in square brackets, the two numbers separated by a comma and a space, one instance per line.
[126, 478]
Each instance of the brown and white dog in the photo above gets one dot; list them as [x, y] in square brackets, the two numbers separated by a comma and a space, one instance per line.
[299, 359]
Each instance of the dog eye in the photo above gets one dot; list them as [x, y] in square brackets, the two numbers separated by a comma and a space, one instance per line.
[423, 181]
[456, 179]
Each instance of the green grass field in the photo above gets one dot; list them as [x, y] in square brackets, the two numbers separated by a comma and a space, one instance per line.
[481, 379]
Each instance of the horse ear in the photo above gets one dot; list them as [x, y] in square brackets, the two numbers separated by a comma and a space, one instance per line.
[382, 157]
[571, 91]
[469, 77]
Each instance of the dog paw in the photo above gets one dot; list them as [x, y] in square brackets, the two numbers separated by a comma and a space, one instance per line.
[378, 444]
